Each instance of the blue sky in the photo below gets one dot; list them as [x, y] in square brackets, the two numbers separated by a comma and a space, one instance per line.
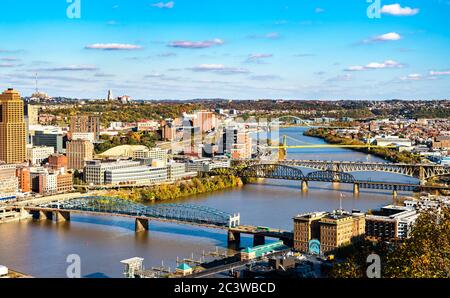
[236, 49]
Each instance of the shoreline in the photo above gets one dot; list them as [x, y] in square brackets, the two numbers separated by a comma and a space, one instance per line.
[393, 156]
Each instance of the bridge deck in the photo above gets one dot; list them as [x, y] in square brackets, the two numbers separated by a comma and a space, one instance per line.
[97, 213]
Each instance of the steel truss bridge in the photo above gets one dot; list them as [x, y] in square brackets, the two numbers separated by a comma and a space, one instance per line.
[178, 213]
[61, 209]
[288, 172]
[423, 172]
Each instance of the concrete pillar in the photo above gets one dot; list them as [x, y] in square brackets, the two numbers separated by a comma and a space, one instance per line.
[141, 225]
[395, 193]
[288, 241]
[61, 216]
[24, 213]
[422, 175]
[304, 185]
[355, 188]
[44, 215]
[234, 238]
[258, 240]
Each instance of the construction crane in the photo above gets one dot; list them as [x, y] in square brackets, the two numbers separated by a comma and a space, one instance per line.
[282, 148]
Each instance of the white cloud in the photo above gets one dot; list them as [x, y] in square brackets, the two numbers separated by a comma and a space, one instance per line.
[270, 35]
[257, 58]
[219, 68]
[72, 68]
[319, 10]
[112, 46]
[412, 77]
[397, 10]
[376, 65]
[439, 73]
[341, 78]
[167, 5]
[388, 37]
[196, 44]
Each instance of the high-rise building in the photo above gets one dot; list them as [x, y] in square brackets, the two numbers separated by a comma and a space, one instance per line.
[109, 96]
[85, 124]
[205, 120]
[12, 128]
[78, 152]
[49, 139]
[31, 113]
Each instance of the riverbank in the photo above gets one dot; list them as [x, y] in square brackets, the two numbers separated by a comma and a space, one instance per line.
[181, 189]
[388, 154]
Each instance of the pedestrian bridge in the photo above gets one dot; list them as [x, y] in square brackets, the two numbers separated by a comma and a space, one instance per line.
[111, 206]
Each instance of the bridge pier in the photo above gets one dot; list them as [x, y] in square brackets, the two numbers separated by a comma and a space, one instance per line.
[288, 241]
[395, 193]
[61, 216]
[234, 238]
[259, 240]
[304, 185]
[141, 225]
[42, 215]
[355, 188]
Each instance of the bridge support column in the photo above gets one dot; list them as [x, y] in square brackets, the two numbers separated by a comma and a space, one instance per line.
[61, 216]
[258, 240]
[43, 215]
[355, 188]
[304, 185]
[395, 193]
[141, 225]
[288, 241]
[234, 238]
[422, 176]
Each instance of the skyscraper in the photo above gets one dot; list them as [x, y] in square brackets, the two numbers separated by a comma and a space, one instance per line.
[12, 127]
[85, 124]
[109, 96]
[78, 152]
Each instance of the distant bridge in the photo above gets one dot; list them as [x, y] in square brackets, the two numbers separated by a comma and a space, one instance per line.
[423, 172]
[288, 172]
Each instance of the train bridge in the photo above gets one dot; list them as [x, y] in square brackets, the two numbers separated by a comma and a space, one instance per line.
[293, 172]
[423, 172]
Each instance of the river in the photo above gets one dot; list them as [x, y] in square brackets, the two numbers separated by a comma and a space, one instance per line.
[41, 248]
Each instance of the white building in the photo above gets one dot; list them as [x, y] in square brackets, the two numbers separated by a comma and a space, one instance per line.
[9, 184]
[393, 140]
[141, 175]
[87, 136]
[37, 155]
[94, 171]
[177, 171]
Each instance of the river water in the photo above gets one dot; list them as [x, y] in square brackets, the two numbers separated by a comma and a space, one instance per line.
[41, 248]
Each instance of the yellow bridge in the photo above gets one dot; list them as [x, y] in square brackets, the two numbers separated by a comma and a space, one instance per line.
[282, 148]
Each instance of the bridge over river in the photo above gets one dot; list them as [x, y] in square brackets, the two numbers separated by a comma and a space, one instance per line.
[421, 171]
[61, 210]
[338, 172]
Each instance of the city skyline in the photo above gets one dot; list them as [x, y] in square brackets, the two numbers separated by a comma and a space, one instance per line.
[208, 49]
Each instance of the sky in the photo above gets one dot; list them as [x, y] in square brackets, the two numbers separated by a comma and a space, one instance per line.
[233, 49]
